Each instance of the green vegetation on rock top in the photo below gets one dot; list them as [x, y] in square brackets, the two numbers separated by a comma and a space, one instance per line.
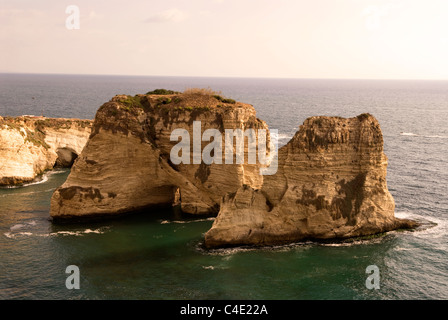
[162, 92]
[224, 100]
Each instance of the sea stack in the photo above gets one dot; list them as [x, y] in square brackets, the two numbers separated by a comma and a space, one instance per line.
[330, 182]
[126, 164]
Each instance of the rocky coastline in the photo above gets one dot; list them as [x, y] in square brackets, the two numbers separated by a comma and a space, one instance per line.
[330, 179]
[31, 145]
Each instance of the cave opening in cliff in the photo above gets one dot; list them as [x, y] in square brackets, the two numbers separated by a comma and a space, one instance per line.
[66, 158]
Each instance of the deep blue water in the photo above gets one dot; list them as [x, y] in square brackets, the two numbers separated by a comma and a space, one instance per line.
[158, 255]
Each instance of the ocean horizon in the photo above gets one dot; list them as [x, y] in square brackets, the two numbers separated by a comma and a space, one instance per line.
[159, 254]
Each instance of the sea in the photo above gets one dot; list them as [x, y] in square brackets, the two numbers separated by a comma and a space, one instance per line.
[159, 254]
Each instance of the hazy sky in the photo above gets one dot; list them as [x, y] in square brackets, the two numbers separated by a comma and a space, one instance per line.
[386, 39]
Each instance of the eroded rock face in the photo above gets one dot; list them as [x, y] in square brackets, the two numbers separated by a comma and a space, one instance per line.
[126, 163]
[31, 145]
[331, 183]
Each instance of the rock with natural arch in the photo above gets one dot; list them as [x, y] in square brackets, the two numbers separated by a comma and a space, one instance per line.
[30, 145]
[331, 179]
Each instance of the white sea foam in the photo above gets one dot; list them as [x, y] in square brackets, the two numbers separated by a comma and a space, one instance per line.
[23, 225]
[220, 267]
[342, 244]
[17, 226]
[353, 242]
[408, 134]
[25, 193]
[43, 179]
[411, 134]
[283, 136]
[228, 252]
[13, 235]
[402, 249]
[208, 267]
[186, 221]
[410, 215]
[79, 232]
[25, 233]
[431, 226]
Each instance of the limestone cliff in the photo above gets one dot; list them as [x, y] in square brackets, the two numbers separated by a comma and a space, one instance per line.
[126, 163]
[330, 183]
[31, 145]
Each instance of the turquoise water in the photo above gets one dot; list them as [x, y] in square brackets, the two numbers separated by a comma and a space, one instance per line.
[159, 254]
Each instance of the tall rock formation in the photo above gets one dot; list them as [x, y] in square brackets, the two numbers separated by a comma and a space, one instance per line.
[126, 163]
[330, 183]
[31, 145]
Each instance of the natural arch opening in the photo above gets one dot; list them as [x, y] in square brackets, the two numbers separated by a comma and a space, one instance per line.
[66, 157]
[167, 197]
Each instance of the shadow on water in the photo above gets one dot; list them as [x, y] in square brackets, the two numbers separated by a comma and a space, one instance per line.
[154, 213]
[131, 251]
[136, 235]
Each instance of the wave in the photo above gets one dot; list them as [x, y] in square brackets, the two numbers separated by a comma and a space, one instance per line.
[42, 179]
[431, 227]
[78, 233]
[215, 267]
[282, 136]
[354, 242]
[408, 134]
[234, 250]
[288, 247]
[279, 135]
[22, 225]
[26, 193]
[402, 249]
[13, 235]
[186, 221]
[411, 134]
[208, 267]
[17, 226]
[437, 227]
